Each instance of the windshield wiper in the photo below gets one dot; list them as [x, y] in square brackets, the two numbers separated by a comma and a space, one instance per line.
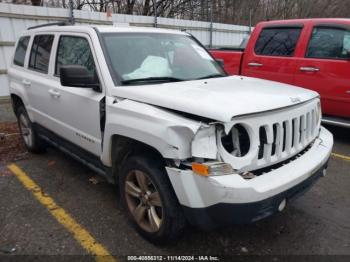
[211, 76]
[152, 79]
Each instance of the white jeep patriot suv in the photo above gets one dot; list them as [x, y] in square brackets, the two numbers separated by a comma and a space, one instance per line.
[153, 112]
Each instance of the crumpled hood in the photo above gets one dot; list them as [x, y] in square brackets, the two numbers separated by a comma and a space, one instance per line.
[218, 98]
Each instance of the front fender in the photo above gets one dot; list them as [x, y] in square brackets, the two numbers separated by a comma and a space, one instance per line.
[170, 134]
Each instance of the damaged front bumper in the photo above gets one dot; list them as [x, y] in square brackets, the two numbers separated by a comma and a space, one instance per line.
[221, 200]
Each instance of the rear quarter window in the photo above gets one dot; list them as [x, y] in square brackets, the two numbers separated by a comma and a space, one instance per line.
[21, 50]
[277, 41]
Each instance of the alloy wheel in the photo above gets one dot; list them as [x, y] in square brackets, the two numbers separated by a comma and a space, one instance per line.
[26, 130]
[143, 201]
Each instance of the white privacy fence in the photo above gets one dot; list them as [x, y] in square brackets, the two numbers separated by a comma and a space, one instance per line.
[14, 19]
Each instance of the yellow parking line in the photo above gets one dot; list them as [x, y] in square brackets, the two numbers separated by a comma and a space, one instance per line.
[347, 158]
[85, 239]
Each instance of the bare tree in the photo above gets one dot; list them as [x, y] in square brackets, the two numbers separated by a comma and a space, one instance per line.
[224, 11]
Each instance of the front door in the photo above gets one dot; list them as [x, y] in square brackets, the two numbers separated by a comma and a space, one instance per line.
[325, 68]
[76, 110]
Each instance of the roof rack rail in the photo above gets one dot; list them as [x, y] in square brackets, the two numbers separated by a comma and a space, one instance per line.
[49, 24]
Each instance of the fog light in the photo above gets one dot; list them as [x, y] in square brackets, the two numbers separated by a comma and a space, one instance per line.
[282, 205]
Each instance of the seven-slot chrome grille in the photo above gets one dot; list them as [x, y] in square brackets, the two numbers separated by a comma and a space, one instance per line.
[272, 136]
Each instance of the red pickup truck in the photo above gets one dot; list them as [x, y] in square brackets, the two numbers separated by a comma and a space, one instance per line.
[311, 53]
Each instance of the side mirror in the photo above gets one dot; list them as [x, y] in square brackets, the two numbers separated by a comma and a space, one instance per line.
[220, 62]
[78, 76]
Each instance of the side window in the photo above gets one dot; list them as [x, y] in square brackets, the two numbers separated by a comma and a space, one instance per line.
[21, 50]
[74, 50]
[40, 53]
[329, 43]
[277, 41]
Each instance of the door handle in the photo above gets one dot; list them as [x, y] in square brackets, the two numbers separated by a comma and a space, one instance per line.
[309, 69]
[54, 93]
[254, 64]
[348, 92]
[26, 83]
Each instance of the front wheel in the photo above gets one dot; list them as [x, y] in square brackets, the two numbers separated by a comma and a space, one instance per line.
[150, 201]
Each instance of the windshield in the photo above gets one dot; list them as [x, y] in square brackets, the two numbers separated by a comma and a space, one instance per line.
[154, 57]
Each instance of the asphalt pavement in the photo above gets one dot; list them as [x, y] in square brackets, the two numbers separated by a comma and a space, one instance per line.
[318, 223]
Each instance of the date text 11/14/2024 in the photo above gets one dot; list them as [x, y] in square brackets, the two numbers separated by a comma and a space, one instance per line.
[173, 258]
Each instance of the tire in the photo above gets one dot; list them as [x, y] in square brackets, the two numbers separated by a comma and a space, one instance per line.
[29, 136]
[148, 197]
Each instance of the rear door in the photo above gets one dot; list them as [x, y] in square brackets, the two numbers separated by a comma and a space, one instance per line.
[325, 67]
[271, 53]
[37, 80]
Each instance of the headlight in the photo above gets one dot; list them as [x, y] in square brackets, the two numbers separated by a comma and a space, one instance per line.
[212, 169]
[237, 141]
[204, 143]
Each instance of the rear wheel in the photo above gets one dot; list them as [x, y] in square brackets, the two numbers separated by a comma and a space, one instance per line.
[30, 138]
[150, 201]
